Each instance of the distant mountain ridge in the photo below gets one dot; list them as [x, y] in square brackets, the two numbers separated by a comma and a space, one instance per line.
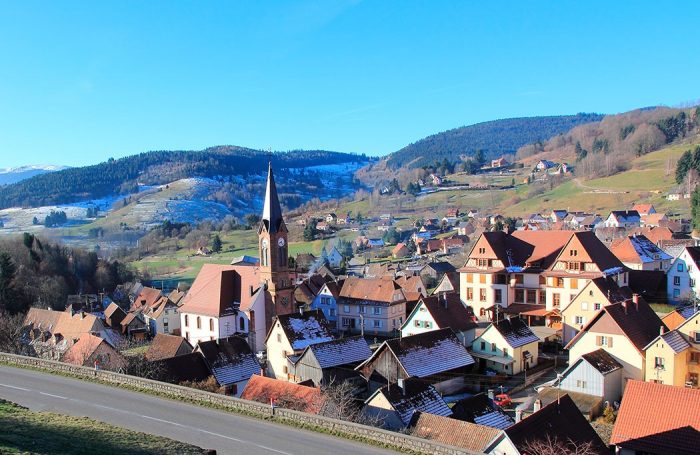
[122, 176]
[17, 174]
[494, 137]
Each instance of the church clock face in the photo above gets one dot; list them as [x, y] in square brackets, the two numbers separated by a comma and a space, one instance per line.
[280, 242]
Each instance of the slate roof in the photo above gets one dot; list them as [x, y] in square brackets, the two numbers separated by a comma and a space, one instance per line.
[441, 267]
[602, 361]
[427, 353]
[340, 352]
[417, 396]
[638, 249]
[272, 211]
[657, 418]
[480, 409]
[229, 359]
[305, 329]
[164, 346]
[453, 432]
[516, 332]
[674, 339]
[561, 420]
[448, 311]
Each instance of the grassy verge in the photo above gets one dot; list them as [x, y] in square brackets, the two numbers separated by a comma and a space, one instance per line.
[27, 432]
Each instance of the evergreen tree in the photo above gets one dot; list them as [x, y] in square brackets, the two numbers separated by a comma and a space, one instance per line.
[216, 244]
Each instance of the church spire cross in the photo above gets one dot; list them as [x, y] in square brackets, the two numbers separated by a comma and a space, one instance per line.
[272, 211]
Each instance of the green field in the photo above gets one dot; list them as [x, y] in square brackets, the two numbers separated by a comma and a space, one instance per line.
[26, 432]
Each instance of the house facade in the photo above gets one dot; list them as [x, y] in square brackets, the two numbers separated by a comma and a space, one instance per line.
[327, 301]
[507, 346]
[673, 357]
[439, 312]
[684, 275]
[371, 306]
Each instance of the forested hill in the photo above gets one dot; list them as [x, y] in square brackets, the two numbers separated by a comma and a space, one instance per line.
[123, 175]
[494, 138]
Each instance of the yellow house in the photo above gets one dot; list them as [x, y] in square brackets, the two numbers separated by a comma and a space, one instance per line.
[673, 358]
[596, 294]
[508, 346]
[623, 330]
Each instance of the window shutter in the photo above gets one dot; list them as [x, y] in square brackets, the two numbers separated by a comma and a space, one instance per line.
[610, 342]
[598, 341]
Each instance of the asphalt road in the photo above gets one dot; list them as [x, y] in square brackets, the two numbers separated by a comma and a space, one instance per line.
[207, 428]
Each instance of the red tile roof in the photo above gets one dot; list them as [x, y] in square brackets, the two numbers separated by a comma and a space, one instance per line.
[375, 289]
[657, 418]
[218, 286]
[263, 389]
[164, 346]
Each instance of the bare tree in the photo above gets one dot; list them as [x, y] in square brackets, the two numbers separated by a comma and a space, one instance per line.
[339, 402]
[11, 333]
[553, 446]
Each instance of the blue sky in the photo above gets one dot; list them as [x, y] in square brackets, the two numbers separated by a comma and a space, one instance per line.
[84, 81]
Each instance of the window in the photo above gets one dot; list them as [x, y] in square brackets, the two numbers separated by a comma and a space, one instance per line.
[470, 278]
[543, 280]
[493, 347]
[346, 308]
[346, 322]
[482, 262]
[187, 321]
[361, 309]
[676, 281]
[482, 295]
[241, 323]
[580, 320]
[482, 312]
[580, 384]
[332, 313]
[695, 357]
[499, 296]
[574, 283]
[279, 337]
[211, 324]
[500, 279]
[584, 306]
[556, 300]
[482, 279]
[518, 278]
[659, 363]
[573, 252]
[285, 370]
[531, 296]
[470, 293]
[377, 324]
[695, 336]
[680, 267]
[519, 295]
[377, 310]
[676, 293]
[482, 250]
[483, 345]
[596, 306]
[199, 322]
[692, 283]
[559, 282]
[693, 379]
[187, 336]
[505, 352]
[418, 323]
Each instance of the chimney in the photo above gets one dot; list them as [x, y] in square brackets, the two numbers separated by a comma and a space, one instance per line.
[518, 415]
[537, 406]
[635, 299]
[443, 299]
[624, 306]
[662, 330]
[490, 394]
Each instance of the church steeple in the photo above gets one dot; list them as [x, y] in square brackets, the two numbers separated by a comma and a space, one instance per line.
[272, 246]
[272, 212]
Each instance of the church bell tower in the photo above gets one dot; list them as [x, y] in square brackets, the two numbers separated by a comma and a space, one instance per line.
[272, 248]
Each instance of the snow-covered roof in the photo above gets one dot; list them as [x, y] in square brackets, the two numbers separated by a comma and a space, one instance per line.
[305, 329]
[417, 397]
[516, 332]
[341, 352]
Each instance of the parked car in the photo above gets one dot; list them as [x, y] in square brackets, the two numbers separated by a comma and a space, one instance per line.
[502, 400]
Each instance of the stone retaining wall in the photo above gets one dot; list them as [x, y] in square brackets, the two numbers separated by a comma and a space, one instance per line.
[334, 426]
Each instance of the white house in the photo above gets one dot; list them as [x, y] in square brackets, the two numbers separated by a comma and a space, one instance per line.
[440, 312]
[684, 275]
[225, 300]
[623, 219]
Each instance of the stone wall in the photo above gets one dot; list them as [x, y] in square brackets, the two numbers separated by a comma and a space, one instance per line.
[334, 426]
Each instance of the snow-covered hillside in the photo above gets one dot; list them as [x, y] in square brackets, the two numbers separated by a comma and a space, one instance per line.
[16, 174]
